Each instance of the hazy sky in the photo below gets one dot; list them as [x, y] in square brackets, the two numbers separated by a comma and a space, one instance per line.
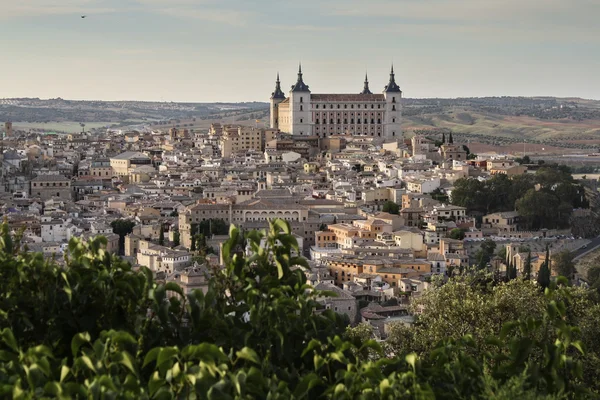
[231, 50]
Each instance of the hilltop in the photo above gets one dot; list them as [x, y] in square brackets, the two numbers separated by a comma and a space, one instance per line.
[495, 121]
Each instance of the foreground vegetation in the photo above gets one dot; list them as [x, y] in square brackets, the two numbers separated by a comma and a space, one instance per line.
[98, 329]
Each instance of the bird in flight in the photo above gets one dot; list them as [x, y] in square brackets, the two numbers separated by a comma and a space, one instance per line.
[83, 16]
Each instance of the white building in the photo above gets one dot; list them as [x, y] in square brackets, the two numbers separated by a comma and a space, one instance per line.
[53, 230]
[364, 114]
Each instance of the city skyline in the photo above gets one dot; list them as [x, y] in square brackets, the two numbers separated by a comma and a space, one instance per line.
[209, 51]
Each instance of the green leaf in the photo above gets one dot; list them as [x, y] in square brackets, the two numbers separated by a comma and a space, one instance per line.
[9, 339]
[174, 287]
[166, 354]
[64, 371]
[248, 354]
[128, 361]
[78, 341]
[87, 362]
[151, 356]
[411, 359]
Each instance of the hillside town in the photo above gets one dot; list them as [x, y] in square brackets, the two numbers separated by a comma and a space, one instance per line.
[380, 217]
[373, 219]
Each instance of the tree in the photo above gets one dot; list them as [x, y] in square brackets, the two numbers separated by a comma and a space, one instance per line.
[485, 253]
[99, 326]
[544, 274]
[563, 264]
[176, 239]
[122, 227]
[161, 236]
[511, 271]
[391, 207]
[457, 233]
[193, 245]
[527, 267]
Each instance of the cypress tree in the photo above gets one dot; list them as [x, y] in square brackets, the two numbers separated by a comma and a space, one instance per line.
[161, 237]
[543, 278]
[527, 267]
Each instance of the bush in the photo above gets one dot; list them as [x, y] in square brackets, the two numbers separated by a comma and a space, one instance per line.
[99, 329]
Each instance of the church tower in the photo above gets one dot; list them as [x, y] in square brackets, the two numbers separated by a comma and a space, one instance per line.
[276, 97]
[392, 129]
[300, 107]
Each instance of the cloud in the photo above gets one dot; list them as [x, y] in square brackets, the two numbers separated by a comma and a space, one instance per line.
[508, 18]
[36, 8]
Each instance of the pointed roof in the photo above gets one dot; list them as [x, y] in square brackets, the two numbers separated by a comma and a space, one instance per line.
[392, 87]
[366, 87]
[278, 93]
[300, 86]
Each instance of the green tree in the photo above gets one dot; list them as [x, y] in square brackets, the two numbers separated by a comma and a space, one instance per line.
[527, 267]
[176, 239]
[485, 253]
[99, 329]
[391, 207]
[563, 264]
[457, 233]
[161, 236]
[122, 227]
[544, 274]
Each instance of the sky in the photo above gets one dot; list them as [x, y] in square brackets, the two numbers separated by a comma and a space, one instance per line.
[231, 50]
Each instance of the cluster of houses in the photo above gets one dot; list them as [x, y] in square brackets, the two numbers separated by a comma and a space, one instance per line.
[371, 217]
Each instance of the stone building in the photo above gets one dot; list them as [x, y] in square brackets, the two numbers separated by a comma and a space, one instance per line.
[48, 187]
[306, 114]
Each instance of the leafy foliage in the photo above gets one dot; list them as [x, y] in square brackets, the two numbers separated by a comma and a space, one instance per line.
[99, 329]
[391, 207]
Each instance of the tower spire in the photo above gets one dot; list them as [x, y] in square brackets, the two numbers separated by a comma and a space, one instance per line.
[366, 87]
[392, 86]
[278, 93]
[300, 86]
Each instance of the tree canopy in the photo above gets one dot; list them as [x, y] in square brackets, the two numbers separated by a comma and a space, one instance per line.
[547, 205]
[97, 328]
[390, 207]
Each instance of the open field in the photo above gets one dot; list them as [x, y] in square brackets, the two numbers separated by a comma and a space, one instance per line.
[65, 126]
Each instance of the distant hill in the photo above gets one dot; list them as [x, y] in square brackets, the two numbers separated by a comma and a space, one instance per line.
[561, 122]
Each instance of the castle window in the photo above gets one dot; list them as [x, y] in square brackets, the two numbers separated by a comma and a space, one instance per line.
[300, 120]
[345, 120]
[338, 121]
[393, 99]
[345, 105]
[378, 120]
[301, 99]
[331, 121]
[378, 105]
[317, 121]
[331, 106]
[372, 105]
[393, 108]
[351, 105]
[394, 120]
[317, 106]
[393, 133]
[352, 120]
[301, 108]
[338, 106]
[372, 120]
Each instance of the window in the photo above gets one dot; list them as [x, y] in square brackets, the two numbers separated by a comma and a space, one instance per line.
[372, 106]
[393, 119]
[301, 98]
[393, 108]
[317, 106]
[301, 108]
[393, 99]
[338, 106]
[345, 105]
[300, 120]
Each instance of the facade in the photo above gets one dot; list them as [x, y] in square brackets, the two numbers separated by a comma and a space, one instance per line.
[123, 164]
[303, 113]
[48, 187]
[236, 139]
